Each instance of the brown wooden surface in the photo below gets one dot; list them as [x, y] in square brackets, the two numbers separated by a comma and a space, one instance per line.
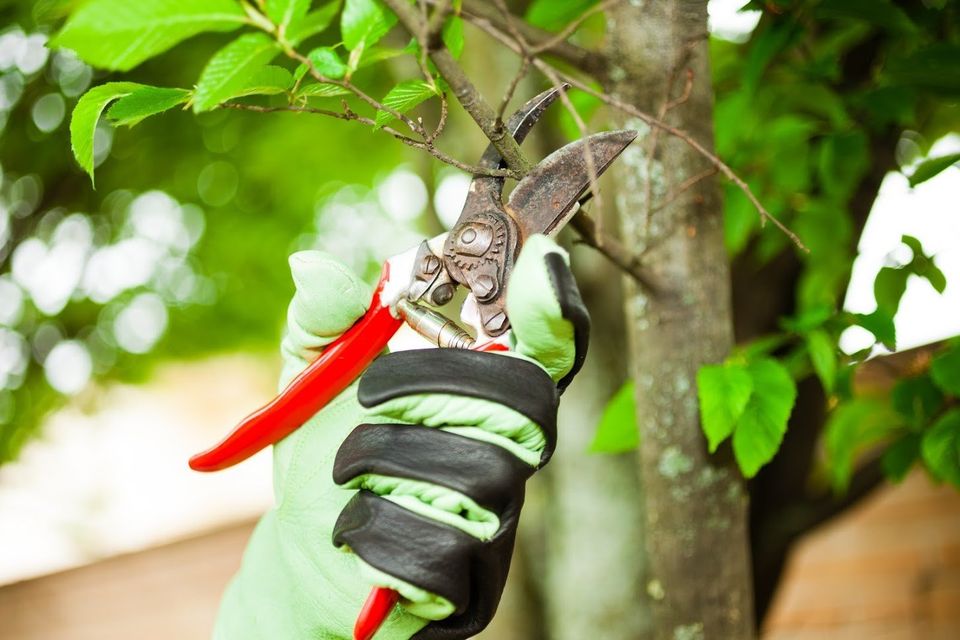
[888, 570]
[167, 593]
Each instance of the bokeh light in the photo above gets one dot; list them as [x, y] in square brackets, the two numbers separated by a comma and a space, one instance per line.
[451, 193]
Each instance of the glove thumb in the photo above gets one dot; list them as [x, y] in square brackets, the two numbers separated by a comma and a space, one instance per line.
[328, 300]
[549, 320]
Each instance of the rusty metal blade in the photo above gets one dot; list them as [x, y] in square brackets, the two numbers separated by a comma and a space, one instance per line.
[486, 189]
[520, 124]
[543, 202]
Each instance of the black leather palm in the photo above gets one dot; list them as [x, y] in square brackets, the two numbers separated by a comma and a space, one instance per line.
[436, 557]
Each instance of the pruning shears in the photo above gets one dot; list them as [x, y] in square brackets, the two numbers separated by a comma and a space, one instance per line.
[478, 253]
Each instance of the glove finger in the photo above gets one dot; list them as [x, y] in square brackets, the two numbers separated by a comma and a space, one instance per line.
[469, 392]
[549, 320]
[329, 298]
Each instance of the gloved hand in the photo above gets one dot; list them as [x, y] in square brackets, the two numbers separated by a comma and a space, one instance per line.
[445, 442]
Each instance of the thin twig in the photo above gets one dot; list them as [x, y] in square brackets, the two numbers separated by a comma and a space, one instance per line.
[571, 28]
[524, 59]
[684, 186]
[628, 262]
[589, 160]
[351, 116]
[545, 68]
[512, 87]
[355, 90]
[526, 56]
[585, 59]
[434, 25]
[668, 104]
[442, 121]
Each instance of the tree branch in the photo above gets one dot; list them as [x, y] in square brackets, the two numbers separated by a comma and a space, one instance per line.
[589, 61]
[611, 248]
[351, 116]
[571, 28]
[464, 90]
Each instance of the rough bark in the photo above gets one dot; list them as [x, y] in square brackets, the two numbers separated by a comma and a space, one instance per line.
[698, 582]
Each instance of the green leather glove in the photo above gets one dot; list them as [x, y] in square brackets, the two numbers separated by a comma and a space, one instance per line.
[445, 442]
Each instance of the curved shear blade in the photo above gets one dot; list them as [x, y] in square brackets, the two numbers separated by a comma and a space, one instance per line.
[543, 202]
[486, 189]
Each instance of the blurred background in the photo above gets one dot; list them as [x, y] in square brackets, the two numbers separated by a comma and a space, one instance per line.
[139, 320]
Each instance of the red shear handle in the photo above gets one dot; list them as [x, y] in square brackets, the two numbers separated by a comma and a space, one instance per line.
[336, 368]
[375, 610]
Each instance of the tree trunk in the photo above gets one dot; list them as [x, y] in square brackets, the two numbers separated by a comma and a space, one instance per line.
[698, 572]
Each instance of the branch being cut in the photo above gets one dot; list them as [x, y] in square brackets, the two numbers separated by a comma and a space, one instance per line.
[492, 126]
[626, 260]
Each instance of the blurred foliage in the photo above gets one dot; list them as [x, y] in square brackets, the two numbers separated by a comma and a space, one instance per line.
[182, 247]
[819, 98]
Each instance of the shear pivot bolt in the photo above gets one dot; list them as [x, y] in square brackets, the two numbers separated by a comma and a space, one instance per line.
[468, 236]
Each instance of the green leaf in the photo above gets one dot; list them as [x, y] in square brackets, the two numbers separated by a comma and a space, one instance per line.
[844, 157]
[823, 356]
[286, 12]
[403, 97]
[556, 14]
[933, 69]
[808, 319]
[945, 370]
[145, 102]
[917, 399]
[321, 90]
[618, 431]
[761, 346]
[923, 265]
[232, 68]
[266, 81]
[364, 22]
[379, 54]
[760, 429]
[723, 391]
[941, 448]
[585, 104]
[888, 105]
[929, 168]
[852, 427]
[880, 324]
[900, 456]
[888, 288]
[327, 62]
[453, 35]
[120, 34]
[83, 122]
[313, 23]
[766, 43]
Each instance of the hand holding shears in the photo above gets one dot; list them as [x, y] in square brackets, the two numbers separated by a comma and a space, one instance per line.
[480, 253]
